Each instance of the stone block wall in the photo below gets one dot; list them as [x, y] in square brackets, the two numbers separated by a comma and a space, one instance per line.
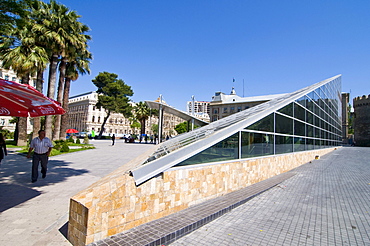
[115, 204]
[362, 121]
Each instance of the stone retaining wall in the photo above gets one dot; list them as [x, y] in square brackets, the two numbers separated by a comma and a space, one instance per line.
[115, 204]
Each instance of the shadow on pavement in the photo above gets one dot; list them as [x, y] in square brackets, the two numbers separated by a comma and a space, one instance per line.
[12, 195]
[64, 230]
[15, 179]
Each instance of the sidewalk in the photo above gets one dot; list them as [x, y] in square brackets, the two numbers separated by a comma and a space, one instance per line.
[37, 213]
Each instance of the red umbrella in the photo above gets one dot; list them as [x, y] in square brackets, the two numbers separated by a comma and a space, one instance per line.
[71, 131]
[23, 100]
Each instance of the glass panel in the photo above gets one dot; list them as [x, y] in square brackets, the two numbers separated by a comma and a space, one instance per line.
[299, 144]
[309, 131]
[225, 150]
[299, 112]
[317, 133]
[257, 144]
[283, 144]
[309, 144]
[283, 124]
[309, 118]
[266, 124]
[288, 109]
[310, 105]
[315, 96]
[299, 128]
[311, 95]
[302, 101]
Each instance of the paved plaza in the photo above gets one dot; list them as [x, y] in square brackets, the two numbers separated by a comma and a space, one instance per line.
[37, 213]
[325, 202]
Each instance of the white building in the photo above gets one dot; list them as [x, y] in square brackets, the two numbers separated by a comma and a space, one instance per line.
[223, 105]
[200, 109]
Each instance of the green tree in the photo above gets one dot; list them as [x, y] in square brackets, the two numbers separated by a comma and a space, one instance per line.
[20, 51]
[72, 54]
[76, 66]
[11, 12]
[58, 30]
[142, 113]
[113, 96]
[155, 128]
[183, 127]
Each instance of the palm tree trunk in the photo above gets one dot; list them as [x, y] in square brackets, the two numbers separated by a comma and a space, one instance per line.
[62, 73]
[22, 122]
[37, 120]
[142, 128]
[64, 120]
[102, 126]
[51, 93]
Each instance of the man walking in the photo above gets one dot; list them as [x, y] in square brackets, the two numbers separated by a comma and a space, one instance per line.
[42, 147]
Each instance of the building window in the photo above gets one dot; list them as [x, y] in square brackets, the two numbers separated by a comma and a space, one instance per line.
[93, 119]
[239, 108]
[232, 109]
[14, 79]
[225, 110]
[215, 111]
[6, 77]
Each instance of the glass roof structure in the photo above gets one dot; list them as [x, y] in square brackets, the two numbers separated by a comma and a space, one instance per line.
[307, 119]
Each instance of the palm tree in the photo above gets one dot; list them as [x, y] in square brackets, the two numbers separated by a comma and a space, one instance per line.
[79, 65]
[39, 87]
[58, 28]
[20, 52]
[142, 114]
[70, 56]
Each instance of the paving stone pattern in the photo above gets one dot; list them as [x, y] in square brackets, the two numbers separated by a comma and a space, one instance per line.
[326, 203]
[172, 227]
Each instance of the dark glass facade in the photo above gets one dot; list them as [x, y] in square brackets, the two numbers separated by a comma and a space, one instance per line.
[311, 122]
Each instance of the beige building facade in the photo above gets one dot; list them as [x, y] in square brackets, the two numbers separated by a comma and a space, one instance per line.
[223, 105]
[84, 116]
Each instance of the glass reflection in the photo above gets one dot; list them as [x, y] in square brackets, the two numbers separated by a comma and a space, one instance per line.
[256, 144]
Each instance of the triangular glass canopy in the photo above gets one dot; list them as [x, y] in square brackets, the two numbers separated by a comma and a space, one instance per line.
[303, 120]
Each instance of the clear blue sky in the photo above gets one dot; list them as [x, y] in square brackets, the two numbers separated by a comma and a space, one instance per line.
[196, 47]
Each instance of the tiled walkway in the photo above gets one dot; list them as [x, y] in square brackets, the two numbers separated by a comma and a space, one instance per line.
[326, 203]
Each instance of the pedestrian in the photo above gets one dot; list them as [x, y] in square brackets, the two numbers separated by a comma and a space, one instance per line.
[113, 139]
[3, 151]
[42, 147]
